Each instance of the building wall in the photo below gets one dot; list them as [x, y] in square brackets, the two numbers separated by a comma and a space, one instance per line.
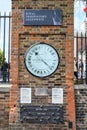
[81, 105]
[4, 106]
[61, 37]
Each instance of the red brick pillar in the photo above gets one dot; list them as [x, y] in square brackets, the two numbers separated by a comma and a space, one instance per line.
[61, 38]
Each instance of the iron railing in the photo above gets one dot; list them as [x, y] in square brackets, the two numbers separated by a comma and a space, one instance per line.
[5, 40]
[80, 54]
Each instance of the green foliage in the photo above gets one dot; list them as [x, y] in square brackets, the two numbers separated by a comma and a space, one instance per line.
[1, 57]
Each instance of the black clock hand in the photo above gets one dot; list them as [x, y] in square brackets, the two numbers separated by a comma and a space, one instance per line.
[45, 63]
[36, 53]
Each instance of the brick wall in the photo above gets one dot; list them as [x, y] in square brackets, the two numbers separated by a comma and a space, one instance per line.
[81, 106]
[61, 37]
[4, 106]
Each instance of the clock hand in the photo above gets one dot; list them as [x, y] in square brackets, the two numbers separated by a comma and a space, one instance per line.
[36, 53]
[45, 63]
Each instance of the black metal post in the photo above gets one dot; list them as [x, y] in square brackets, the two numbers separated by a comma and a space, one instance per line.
[4, 30]
[86, 54]
[77, 53]
[81, 58]
[9, 46]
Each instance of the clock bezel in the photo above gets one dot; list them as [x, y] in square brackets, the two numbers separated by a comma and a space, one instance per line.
[28, 52]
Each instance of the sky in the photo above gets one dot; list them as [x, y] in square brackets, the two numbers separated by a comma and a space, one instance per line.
[79, 15]
[5, 5]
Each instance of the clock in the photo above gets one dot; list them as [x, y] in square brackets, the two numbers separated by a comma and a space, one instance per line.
[41, 59]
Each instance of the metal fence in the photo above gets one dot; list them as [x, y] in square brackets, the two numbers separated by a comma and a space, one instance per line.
[80, 58]
[5, 40]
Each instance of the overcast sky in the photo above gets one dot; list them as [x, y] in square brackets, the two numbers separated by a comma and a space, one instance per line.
[5, 6]
[79, 15]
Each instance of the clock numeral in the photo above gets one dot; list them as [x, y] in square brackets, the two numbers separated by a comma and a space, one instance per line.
[29, 58]
[44, 71]
[39, 47]
[52, 67]
[35, 71]
[50, 51]
[53, 53]
[41, 72]
[47, 49]
[29, 62]
[31, 53]
[38, 72]
[53, 63]
[32, 68]
[48, 71]
[30, 65]
[36, 48]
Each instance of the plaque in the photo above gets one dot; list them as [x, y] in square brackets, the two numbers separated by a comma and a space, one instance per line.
[25, 95]
[42, 17]
[41, 91]
[57, 95]
[41, 114]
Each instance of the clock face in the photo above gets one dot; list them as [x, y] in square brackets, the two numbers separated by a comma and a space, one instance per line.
[41, 60]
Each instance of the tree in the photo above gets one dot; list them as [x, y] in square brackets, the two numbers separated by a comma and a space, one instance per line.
[1, 57]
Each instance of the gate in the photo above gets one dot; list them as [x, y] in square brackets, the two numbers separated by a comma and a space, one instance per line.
[80, 58]
[5, 29]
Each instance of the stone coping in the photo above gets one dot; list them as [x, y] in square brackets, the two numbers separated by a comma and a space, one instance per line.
[5, 87]
[81, 86]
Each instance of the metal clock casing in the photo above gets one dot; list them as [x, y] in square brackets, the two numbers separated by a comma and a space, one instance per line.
[41, 59]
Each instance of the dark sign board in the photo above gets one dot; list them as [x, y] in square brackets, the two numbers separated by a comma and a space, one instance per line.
[42, 17]
[41, 114]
